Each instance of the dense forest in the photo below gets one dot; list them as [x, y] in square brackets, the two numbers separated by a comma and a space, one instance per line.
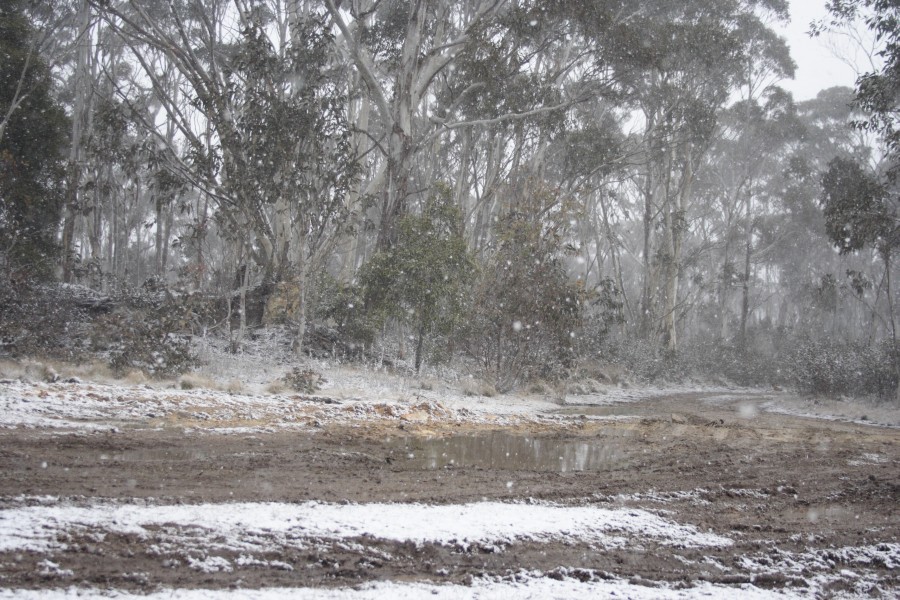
[524, 186]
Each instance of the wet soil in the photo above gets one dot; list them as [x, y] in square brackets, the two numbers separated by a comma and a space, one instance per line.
[777, 485]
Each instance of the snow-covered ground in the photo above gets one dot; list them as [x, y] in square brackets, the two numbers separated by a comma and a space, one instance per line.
[234, 396]
[249, 526]
[526, 586]
[241, 398]
[204, 534]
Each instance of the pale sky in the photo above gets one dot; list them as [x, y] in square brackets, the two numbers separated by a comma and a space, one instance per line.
[817, 66]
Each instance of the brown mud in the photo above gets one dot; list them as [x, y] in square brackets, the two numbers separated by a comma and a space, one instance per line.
[779, 486]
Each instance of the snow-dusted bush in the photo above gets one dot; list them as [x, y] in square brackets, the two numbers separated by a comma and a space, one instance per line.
[643, 359]
[728, 361]
[150, 335]
[306, 381]
[527, 315]
[43, 319]
[832, 367]
[342, 307]
[422, 280]
[814, 366]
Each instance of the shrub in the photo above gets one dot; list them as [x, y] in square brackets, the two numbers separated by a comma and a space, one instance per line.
[422, 279]
[813, 366]
[343, 306]
[151, 334]
[305, 381]
[527, 315]
[830, 367]
[42, 320]
[148, 344]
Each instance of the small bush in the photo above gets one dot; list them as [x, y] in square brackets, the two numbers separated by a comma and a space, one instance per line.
[149, 347]
[343, 305]
[479, 388]
[305, 381]
[527, 315]
[644, 360]
[150, 338]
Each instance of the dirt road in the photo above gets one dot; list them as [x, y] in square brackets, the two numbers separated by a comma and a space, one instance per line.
[810, 505]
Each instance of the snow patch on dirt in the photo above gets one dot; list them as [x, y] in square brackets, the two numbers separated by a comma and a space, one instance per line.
[103, 407]
[354, 395]
[525, 588]
[624, 395]
[859, 411]
[869, 458]
[253, 526]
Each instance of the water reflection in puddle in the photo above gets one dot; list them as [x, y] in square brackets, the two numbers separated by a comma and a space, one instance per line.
[498, 450]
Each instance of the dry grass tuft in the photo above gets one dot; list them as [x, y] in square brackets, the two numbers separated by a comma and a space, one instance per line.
[277, 387]
[193, 381]
[135, 377]
[478, 387]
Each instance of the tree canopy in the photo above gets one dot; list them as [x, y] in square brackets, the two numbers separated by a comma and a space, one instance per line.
[32, 140]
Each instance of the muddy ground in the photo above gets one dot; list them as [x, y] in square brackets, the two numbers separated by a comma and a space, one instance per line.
[779, 486]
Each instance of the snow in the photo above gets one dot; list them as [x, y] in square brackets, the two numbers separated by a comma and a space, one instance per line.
[781, 561]
[623, 395]
[525, 588]
[353, 396]
[861, 412]
[225, 538]
[868, 458]
[251, 526]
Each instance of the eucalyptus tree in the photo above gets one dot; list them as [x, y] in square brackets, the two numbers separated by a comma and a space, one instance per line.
[32, 140]
[81, 111]
[862, 207]
[869, 213]
[492, 77]
[260, 119]
[860, 212]
[876, 89]
[696, 57]
[109, 164]
[756, 137]
[398, 48]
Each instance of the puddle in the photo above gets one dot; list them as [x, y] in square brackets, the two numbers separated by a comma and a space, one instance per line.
[498, 450]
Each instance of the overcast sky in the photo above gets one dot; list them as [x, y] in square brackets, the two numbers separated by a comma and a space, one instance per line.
[817, 67]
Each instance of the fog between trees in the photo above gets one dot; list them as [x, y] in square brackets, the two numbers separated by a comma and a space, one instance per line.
[527, 187]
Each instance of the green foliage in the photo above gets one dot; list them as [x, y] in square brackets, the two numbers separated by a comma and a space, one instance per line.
[305, 381]
[527, 315]
[853, 202]
[31, 147]
[876, 91]
[603, 309]
[422, 279]
[342, 306]
[293, 128]
[153, 337]
[593, 150]
[285, 139]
